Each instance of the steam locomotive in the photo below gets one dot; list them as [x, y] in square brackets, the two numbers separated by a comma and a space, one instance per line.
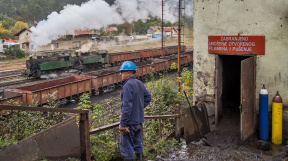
[92, 60]
[44, 65]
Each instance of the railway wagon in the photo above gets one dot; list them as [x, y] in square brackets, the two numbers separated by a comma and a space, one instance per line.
[101, 80]
[174, 49]
[156, 52]
[170, 50]
[150, 53]
[66, 87]
[143, 68]
[6, 96]
[155, 65]
[159, 65]
[117, 58]
[97, 80]
[174, 59]
[189, 55]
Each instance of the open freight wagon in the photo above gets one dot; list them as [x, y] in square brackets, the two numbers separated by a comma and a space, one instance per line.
[66, 87]
[101, 80]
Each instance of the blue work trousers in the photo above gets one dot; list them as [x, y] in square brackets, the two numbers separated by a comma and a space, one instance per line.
[131, 142]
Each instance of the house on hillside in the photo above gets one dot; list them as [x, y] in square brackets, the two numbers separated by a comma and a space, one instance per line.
[170, 30]
[111, 29]
[69, 41]
[24, 40]
[153, 30]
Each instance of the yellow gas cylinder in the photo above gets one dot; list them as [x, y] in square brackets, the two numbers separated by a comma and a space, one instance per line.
[277, 119]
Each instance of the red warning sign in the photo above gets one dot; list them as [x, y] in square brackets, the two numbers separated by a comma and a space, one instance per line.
[236, 45]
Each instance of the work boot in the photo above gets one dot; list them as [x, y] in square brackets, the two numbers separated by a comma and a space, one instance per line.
[139, 156]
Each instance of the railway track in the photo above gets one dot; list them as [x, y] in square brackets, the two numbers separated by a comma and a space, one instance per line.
[18, 81]
[11, 72]
[9, 77]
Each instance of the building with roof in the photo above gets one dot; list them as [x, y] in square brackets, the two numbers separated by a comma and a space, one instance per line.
[168, 31]
[24, 40]
[156, 30]
[111, 29]
[153, 30]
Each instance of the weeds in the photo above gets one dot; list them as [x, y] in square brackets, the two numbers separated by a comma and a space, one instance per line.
[104, 145]
[18, 125]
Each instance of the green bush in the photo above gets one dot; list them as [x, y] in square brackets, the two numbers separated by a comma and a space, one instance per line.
[164, 94]
[14, 52]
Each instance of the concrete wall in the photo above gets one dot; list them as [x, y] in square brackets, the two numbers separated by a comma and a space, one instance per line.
[59, 141]
[233, 17]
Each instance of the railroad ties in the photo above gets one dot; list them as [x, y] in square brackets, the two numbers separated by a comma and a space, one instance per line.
[8, 74]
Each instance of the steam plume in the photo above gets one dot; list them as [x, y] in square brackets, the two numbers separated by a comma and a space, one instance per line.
[95, 14]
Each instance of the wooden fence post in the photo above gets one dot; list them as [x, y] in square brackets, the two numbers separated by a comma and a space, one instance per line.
[160, 129]
[178, 123]
[85, 137]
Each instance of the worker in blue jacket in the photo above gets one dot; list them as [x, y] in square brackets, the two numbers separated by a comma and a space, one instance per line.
[134, 97]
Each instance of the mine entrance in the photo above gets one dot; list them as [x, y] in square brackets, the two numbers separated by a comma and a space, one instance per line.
[235, 92]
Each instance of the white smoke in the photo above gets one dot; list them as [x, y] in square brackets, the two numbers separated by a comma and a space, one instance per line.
[95, 14]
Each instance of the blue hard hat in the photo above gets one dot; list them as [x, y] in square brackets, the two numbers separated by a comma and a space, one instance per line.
[128, 65]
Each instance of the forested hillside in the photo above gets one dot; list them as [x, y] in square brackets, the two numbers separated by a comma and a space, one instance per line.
[35, 10]
[16, 14]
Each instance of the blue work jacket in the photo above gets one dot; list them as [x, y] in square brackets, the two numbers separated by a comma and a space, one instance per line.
[134, 97]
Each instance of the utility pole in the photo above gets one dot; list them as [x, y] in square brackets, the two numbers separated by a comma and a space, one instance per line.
[162, 27]
[179, 47]
[171, 31]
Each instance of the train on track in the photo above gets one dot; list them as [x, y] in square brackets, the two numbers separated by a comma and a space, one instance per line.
[92, 60]
[93, 81]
